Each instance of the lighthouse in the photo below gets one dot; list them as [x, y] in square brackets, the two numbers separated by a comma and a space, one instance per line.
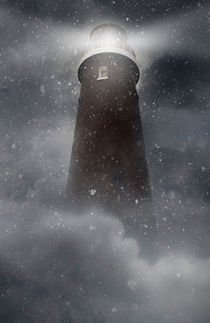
[108, 167]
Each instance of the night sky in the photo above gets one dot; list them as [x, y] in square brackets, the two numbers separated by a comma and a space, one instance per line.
[58, 267]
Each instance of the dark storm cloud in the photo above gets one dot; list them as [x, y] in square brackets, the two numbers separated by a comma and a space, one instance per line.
[29, 164]
[38, 69]
[69, 11]
[189, 175]
[181, 195]
[83, 10]
[181, 81]
[39, 62]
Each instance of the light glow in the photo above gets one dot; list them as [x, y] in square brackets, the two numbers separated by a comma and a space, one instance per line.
[108, 38]
[108, 35]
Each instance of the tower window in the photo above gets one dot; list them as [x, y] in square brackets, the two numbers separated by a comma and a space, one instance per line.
[102, 73]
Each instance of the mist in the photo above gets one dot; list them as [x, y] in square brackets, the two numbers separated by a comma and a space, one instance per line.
[56, 266]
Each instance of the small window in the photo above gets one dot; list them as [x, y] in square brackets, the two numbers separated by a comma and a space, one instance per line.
[102, 73]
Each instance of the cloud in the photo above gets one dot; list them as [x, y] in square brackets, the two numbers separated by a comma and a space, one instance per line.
[65, 268]
[68, 11]
[56, 266]
[80, 11]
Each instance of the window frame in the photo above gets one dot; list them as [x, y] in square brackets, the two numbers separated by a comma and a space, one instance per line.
[102, 69]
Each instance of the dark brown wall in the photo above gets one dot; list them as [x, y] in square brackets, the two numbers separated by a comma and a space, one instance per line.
[108, 152]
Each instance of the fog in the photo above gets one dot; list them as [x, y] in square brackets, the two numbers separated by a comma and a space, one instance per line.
[56, 266]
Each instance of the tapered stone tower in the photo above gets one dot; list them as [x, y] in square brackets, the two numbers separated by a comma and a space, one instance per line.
[108, 168]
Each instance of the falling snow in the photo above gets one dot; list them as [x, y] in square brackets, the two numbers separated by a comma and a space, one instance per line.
[58, 266]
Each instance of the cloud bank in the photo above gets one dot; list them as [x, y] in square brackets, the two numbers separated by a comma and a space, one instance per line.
[58, 267]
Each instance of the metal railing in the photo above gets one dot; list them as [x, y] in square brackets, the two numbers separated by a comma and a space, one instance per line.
[100, 45]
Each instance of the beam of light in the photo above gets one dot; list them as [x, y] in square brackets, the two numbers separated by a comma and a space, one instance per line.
[172, 35]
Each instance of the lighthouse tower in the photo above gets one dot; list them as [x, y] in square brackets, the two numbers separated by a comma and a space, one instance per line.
[108, 168]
